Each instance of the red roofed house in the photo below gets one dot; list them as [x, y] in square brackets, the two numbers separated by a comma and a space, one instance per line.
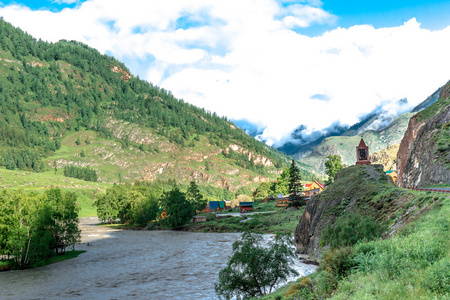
[313, 188]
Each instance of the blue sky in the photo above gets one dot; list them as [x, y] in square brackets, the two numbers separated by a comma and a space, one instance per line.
[432, 14]
[305, 62]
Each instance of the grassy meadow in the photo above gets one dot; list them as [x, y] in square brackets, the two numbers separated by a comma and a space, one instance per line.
[38, 182]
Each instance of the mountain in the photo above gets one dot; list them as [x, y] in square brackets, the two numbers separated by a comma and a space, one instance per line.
[381, 127]
[345, 145]
[424, 155]
[65, 104]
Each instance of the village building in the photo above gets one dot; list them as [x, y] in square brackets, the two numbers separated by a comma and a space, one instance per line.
[245, 207]
[312, 189]
[199, 219]
[214, 206]
[362, 153]
[283, 202]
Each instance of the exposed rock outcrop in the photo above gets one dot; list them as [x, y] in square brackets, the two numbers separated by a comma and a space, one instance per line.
[350, 191]
[386, 157]
[419, 161]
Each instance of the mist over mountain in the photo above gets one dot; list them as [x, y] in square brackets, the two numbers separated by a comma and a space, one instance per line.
[302, 141]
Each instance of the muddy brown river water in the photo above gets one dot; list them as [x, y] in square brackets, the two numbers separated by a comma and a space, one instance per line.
[126, 264]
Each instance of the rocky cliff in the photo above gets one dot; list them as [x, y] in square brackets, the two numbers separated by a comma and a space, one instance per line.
[424, 155]
[352, 192]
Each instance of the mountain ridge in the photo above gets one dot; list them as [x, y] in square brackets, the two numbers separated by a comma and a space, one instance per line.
[66, 104]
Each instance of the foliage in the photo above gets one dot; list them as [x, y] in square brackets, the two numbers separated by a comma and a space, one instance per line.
[33, 227]
[254, 270]
[333, 164]
[350, 228]
[411, 264]
[49, 89]
[136, 204]
[194, 196]
[295, 186]
[178, 209]
[84, 173]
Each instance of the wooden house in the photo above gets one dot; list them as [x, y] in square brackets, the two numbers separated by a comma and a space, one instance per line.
[245, 206]
[199, 219]
[313, 189]
[216, 205]
[283, 202]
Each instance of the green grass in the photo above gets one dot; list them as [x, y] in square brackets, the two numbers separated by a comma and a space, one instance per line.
[444, 185]
[281, 221]
[39, 182]
[9, 265]
[62, 257]
[412, 264]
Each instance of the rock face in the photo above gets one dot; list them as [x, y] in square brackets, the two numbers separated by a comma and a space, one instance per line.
[352, 186]
[419, 161]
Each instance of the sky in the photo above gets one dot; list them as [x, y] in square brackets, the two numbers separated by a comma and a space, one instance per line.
[274, 64]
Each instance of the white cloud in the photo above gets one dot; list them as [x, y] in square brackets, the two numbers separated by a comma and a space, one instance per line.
[240, 58]
[66, 1]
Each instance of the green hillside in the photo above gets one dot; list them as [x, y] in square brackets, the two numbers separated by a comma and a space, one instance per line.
[65, 104]
[345, 146]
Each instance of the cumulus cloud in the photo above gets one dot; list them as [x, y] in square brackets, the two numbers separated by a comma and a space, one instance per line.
[247, 60]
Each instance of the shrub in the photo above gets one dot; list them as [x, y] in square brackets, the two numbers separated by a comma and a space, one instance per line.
[351, 228]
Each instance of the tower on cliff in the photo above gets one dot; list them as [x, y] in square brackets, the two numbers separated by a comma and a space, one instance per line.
[362, 153]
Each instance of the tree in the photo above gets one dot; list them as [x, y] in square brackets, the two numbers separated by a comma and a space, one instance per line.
[332, 165]
[295, 186]
[112, 205]
[194, 196]
[282, 183]
[254, 270]
[262, 191]
[179, 211]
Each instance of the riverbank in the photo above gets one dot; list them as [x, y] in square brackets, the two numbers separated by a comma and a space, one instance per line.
[125, 264]
[9, 265]
[267, 219]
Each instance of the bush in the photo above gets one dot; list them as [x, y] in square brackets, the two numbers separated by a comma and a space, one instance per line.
[351, 228]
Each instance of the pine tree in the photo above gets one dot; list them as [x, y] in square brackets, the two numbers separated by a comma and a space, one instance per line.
[194, 196]
[295, 186]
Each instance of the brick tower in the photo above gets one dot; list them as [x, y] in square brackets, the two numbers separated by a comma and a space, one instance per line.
[362, 153]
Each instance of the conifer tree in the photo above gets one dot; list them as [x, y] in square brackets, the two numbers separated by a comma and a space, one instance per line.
[295, 186]
[194, 196]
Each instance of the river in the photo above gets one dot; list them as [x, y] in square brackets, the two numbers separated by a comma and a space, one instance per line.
[127, 264]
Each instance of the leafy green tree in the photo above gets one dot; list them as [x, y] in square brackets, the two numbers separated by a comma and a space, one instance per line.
[113, 204]
[262, 191]
[282, 184]
[254, 270]
[64, 217]
[32, 225]
[194, 196]
[179, 211]
[333, 164]
[146, 210]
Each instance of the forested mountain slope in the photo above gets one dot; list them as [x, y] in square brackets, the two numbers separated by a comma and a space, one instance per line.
[65, 104]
